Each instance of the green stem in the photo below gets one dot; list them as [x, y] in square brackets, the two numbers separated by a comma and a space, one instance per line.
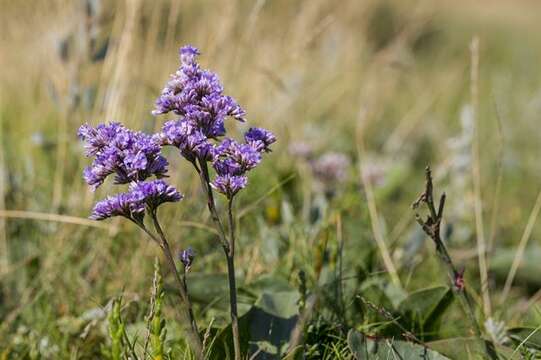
[228, 246]
[232, 282]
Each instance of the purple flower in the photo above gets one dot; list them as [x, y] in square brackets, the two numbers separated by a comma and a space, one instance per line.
[185, 136]
[331, 168]
[260, 138]
[98, 138]
[232, 158]
[188, 54]
[132, 156]
[229, 185]
[186, 257]
[131, 204]
[154, 193]
[197, 96]
[127, 204]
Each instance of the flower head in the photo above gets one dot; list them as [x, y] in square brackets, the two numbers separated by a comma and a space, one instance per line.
[186, 257]
[154, 193]
[131, 156]
[196, 92]
[260, 138]
[197, 96]
[99, 137]
[128, 205]
[232, 158]
[191, 142]
[229, 185]
[132, 204]
[188, 54]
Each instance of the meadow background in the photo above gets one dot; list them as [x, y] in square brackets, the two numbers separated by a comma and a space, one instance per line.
[392, 85]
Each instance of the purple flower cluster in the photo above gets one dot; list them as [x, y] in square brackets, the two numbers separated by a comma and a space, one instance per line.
[232, 161]
[197, 96]
[132, 157]
[132, 204]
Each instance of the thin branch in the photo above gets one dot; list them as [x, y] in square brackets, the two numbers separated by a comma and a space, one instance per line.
[431, 226]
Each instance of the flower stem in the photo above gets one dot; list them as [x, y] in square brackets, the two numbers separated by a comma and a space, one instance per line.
[186, 310]
[232, 282]
[229, 249]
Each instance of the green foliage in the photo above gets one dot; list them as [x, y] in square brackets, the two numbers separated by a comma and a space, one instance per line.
[156, 322]
[366, 348]
[423, 309]
[116, 331]
[266, 328]
[526, 337]
[460, 348]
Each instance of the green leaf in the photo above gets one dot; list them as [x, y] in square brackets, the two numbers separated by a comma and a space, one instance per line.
[460, 348]
[529, 335]
[423, 309]
[282, 304]
[364, 348]
[207, 288]
[266, 326]
[382, 293]
[268, 283]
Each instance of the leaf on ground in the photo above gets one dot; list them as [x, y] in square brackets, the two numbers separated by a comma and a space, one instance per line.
[282, 304]
[266, 327]
[460, 348]
[365, 348]
[426, 306]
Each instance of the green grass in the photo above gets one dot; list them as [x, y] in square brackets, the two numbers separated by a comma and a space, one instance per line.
[385, 83]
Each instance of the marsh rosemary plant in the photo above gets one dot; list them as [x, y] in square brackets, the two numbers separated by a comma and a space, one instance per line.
[196, 96]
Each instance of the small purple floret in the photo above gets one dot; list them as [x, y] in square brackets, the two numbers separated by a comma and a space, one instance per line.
[154, 193]
[229, 185]
[260, 138]
[186, 257]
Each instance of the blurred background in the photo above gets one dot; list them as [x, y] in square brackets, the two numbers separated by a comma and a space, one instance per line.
[362, 95]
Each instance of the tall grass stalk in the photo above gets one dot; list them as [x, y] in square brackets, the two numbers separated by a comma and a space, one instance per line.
[521, 248]
[375, 220]
[476, 175]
